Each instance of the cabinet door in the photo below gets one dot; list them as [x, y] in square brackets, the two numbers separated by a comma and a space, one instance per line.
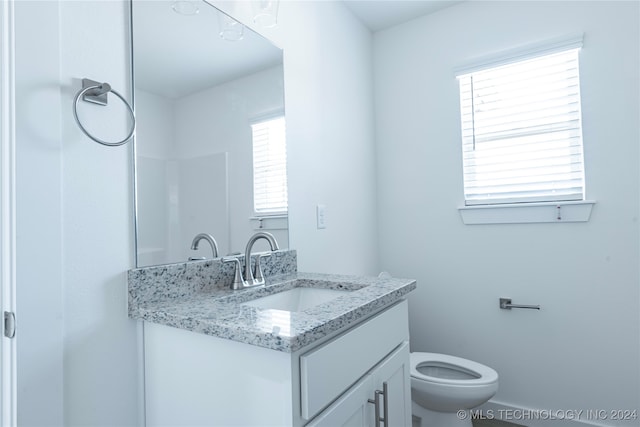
[351, 410]
[355, 408]
[394, 372]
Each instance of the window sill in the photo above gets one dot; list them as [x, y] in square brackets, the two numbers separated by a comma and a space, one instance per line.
[527, 213]
[270, 222]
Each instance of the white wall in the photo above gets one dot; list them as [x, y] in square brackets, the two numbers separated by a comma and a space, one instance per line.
[328, 86]
[329, 108]
[100, 342]
[154, 124]
[39, 311]
[581, 350]
[77, 350]
[154, 114]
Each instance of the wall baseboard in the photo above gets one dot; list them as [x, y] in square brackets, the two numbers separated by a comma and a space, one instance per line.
[530, 417]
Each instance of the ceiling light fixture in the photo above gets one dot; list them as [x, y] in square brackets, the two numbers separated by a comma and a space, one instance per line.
[185, 7]
[265, 13]
[230, 29]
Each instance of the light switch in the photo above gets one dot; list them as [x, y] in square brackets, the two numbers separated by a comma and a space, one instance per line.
[320, 216]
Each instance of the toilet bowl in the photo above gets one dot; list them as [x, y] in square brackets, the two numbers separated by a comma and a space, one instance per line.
[444, 388]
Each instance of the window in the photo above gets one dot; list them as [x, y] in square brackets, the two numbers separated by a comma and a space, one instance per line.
[521, 131]
[269, 167]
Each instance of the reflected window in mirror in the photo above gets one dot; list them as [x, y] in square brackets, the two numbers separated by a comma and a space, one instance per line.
[269, 167]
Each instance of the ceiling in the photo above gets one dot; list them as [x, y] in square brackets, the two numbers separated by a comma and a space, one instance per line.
[380, 14]
[178, 54]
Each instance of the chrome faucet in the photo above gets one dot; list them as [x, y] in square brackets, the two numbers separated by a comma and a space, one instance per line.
[209, 238]
[250, 279]
[257, 278]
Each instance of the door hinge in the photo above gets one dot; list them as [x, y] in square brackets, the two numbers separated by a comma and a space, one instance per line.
[9, 324]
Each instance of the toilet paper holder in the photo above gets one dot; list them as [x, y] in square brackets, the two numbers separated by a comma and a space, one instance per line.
[505, 304]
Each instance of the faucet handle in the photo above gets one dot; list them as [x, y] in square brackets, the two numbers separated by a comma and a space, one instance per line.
[238, 281]
[258, 277]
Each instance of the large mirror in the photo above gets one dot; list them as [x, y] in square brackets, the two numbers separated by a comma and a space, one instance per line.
[197, 95]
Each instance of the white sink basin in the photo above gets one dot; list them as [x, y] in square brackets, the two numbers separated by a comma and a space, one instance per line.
[296, 299]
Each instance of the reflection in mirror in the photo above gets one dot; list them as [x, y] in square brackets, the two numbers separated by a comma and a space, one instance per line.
[197, 96]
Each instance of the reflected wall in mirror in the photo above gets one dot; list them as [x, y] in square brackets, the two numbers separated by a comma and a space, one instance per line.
[196, 97]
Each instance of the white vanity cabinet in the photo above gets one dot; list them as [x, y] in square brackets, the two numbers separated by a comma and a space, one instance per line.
[196, 379]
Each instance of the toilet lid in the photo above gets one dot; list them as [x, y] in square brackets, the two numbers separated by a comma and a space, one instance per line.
[446, 369]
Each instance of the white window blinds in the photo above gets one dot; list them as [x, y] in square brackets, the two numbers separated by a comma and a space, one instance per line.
[269, 167]
[521, 131]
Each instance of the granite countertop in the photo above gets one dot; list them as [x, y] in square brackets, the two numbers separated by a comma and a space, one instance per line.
[220, 312]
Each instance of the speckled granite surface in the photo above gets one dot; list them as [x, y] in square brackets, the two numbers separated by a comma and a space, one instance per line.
[176, 281]
[197, 298]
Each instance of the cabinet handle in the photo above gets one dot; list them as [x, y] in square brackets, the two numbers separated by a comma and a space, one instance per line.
[385, 402]
[385, 405]
[376, 406]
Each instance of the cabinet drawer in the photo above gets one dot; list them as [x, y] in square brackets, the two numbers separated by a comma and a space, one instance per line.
[328, 371]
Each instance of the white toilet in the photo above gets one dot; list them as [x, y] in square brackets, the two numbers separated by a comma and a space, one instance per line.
[444, 388]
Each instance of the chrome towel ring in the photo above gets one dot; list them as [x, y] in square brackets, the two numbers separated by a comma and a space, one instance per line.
[96, 93]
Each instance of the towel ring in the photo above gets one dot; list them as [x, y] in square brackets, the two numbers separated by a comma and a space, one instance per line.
[96, 93]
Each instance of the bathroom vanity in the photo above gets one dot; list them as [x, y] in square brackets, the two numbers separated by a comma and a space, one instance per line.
[265, 356]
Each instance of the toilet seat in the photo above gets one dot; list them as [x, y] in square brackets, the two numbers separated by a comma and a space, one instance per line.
[485, 375]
